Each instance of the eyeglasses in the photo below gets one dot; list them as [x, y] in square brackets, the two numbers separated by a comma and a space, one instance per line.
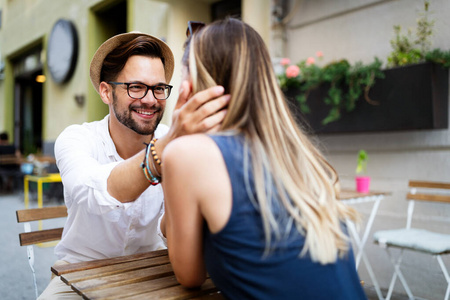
[193, 27]
[137, 90]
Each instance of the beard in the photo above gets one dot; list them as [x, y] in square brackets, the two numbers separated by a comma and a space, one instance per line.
[125, 118]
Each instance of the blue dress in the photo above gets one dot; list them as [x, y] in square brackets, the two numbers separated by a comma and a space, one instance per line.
[235, 259]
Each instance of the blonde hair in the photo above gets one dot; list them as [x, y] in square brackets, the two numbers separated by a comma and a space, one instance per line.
[285, 163]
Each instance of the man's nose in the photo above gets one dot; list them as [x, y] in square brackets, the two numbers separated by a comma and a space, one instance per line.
[149, 98]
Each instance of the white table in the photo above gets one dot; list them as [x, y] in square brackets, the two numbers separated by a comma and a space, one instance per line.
[353, 197]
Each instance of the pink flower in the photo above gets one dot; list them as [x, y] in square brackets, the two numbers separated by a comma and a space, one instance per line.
[310, 61]
[319, 54]
[292, 71]
[285, 61]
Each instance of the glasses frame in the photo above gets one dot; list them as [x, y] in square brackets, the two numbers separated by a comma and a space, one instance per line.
[193, 27]
[149, 87]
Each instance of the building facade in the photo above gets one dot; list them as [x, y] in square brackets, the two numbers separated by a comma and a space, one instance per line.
[359, 30]
[34, 113]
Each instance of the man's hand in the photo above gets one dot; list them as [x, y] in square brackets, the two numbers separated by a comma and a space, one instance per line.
[202, 112]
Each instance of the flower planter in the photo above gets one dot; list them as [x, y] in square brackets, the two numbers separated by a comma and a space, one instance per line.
[412, 97]
[362, 184]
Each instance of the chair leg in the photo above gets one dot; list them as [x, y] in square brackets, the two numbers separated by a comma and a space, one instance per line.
[447, 277]
[358, 250]
[394, 276]
[30, 254]
[372, 276]
[397, 272]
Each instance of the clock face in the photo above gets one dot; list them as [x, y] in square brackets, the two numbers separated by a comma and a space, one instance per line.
[62, 51]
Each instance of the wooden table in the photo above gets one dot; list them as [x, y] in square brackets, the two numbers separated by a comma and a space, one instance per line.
[139, 276]
[6, 159]
[10, 159]
[353, 197]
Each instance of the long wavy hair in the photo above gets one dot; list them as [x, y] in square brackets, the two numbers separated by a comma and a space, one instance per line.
[232, 54]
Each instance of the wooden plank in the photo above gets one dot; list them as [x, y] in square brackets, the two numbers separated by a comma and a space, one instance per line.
[351, 194]
[6, 159]
[87, 265]
[40, 236]
[35, 214]
[132, 289]
[123, 278]
[429, 197]
[429, 184]
[102, 284]
[71, 278]
[176, 292]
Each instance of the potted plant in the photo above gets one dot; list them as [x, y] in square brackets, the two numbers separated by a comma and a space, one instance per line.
[362, 181]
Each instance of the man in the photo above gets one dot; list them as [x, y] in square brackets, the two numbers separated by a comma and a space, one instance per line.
[4, 139]
[113, 209]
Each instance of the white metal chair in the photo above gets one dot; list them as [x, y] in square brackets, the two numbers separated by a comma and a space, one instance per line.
[416, 239]
[29, 238]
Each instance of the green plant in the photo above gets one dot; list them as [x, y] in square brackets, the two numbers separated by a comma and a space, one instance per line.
[404, 51]
[424, 29]
[439, 57]
[346, 84]
[409, 50]
[363, 158]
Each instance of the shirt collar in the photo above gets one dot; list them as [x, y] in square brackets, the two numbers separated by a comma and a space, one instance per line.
[111, 152]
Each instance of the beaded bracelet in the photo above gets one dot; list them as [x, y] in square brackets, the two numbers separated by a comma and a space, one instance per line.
[153, 150]
[157, 174]
[146, 169]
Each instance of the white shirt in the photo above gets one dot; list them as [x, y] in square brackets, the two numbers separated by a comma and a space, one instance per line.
[98, 225]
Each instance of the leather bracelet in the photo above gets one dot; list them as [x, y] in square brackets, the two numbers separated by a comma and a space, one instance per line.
[146, 169]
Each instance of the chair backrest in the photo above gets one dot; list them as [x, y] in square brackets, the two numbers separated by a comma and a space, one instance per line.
[429, 191]
[433, 195]
[37, 214]
[28, 238]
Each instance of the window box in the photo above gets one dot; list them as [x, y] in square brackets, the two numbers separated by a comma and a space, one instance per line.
[412, 97]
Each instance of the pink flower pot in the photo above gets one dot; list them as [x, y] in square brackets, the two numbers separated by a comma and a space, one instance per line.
[362, 184]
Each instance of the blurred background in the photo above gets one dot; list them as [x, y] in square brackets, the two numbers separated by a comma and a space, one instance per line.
[46, 48]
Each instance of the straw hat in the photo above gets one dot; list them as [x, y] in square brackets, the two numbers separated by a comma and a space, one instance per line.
[117, 40]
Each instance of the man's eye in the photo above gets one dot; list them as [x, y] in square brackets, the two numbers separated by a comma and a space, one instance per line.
[136, 87]
[159, 89]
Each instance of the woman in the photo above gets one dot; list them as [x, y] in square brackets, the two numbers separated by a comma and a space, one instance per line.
[254, 205]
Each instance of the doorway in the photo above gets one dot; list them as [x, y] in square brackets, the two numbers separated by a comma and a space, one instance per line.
[28, 102]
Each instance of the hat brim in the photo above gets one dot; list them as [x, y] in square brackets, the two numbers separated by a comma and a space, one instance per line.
[117, 40]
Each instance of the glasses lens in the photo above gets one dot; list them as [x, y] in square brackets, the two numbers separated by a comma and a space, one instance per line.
[137, 90]
[193, 27]
[162, 91]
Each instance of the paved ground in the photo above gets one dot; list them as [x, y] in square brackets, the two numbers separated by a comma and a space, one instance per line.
[17, 279]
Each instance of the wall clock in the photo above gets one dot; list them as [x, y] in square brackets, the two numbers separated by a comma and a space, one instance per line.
[62, 51]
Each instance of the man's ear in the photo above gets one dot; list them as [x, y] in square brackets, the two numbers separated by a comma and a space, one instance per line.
[105, 91]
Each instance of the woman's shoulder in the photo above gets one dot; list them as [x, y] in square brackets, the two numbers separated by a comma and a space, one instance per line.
[190, 147]
[189, 143]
